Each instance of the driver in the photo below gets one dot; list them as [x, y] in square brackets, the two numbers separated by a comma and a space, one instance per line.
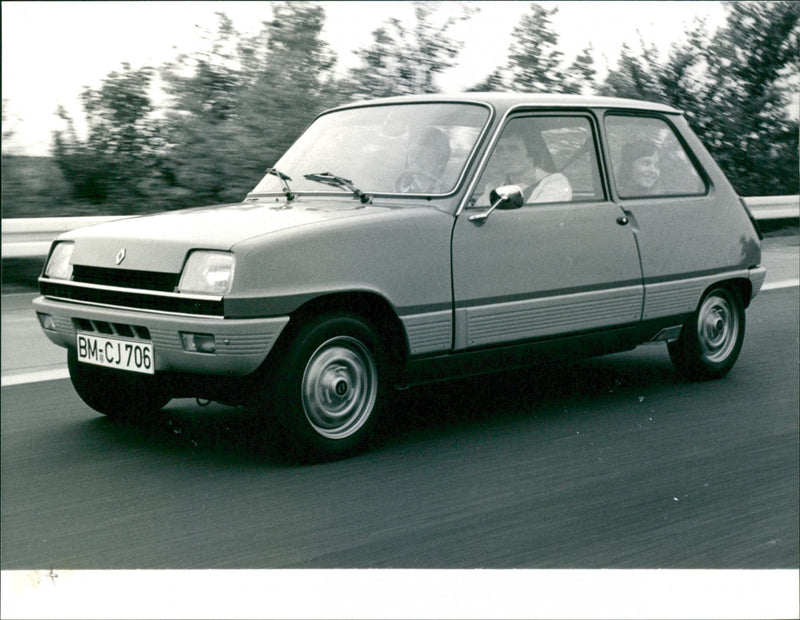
[427, 157]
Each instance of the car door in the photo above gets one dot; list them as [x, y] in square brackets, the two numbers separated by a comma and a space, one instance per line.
[686, 236]
[565, 262]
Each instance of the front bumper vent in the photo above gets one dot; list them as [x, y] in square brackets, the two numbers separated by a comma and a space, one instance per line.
[112, 329]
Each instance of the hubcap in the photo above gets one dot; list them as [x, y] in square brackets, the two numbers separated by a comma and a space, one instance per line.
[340, 387]
[717, 328]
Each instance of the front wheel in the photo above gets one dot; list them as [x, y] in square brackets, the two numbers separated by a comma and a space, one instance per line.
[328, 388]
[712, 338]
[116, 393]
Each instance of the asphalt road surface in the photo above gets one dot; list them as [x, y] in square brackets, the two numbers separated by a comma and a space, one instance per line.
[611, 463]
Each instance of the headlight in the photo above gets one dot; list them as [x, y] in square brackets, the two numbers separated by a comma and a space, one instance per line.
[58, 266]
[207, 273]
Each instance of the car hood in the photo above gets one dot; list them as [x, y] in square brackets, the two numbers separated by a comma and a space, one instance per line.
[161, 242]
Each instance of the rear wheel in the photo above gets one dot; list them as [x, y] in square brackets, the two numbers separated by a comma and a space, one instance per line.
[116, 393]
[329, 386]
[712, 338]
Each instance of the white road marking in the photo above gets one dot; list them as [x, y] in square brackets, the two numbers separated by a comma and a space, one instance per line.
[19, 319]
[62, 373]
[35, 377]
[771, 286]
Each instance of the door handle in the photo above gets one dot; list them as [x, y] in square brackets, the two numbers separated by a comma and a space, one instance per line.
[623, 220]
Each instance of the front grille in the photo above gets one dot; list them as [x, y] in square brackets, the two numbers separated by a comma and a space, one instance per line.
[132, 299]
[126, 278]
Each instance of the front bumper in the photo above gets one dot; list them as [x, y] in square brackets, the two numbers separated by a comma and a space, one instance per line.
[241, 344]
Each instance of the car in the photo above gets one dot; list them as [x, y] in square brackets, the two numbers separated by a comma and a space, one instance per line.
[408, 240]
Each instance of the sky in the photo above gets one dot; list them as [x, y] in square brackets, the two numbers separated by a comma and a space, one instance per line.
[52, 50]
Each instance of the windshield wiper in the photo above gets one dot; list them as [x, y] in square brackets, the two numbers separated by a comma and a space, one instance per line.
[285, 178]
[336, 181]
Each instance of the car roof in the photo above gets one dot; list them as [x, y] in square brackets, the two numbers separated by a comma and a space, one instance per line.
[503, 101]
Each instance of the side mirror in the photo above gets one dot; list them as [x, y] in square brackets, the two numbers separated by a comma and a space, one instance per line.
[504, 197]
[509, 197]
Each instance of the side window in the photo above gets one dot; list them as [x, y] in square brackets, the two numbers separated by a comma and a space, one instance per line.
[648, 159]
[552, 158]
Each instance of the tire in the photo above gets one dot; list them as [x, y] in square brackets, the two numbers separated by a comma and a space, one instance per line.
[712, 338]
[328, 387]
[115, 393]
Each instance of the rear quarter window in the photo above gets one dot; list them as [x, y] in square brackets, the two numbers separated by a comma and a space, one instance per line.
[649, 160]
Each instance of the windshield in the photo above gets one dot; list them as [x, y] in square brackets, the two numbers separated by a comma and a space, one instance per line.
[403, 148]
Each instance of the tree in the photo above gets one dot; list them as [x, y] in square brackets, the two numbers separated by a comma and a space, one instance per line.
[580, 74]
[239, 104]
[292, 78]
[679, 81]
[752, 129]
[233, 107]
[215, 73]
[636, 76]
[682, 77]
[535, 61]
[534, 57]
[201, 121]
[491, 83]
[116, 164]
[405, 59]
[735, 89]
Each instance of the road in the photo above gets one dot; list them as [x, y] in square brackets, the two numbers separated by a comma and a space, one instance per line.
[609, 463]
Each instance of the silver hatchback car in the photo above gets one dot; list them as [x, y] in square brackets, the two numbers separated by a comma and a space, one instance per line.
[407, 240]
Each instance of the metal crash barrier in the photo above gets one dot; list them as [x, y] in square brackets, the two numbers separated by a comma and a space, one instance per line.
[31, 237]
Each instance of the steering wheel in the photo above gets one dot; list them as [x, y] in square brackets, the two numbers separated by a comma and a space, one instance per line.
[415, 181]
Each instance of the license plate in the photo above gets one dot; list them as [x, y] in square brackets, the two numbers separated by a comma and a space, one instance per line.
[133, 355]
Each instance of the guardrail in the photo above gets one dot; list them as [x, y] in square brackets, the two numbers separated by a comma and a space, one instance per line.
[31, 237]
[774, 207]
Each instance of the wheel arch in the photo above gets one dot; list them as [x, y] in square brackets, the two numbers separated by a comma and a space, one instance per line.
[712, 337]
[370, 306]
[741, 287]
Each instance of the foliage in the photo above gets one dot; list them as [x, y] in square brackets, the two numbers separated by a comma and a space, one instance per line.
[636, 77]
[239, 105]
[201, 164]
[28, 181]
[406, 59]
[117, 164]
[753, 136]
[534, 56]
[31, 184]
[580, 75]
[735, 89]
[236, 105]
[535, 61]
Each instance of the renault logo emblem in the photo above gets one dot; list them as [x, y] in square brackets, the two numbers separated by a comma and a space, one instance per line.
[120, 256]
